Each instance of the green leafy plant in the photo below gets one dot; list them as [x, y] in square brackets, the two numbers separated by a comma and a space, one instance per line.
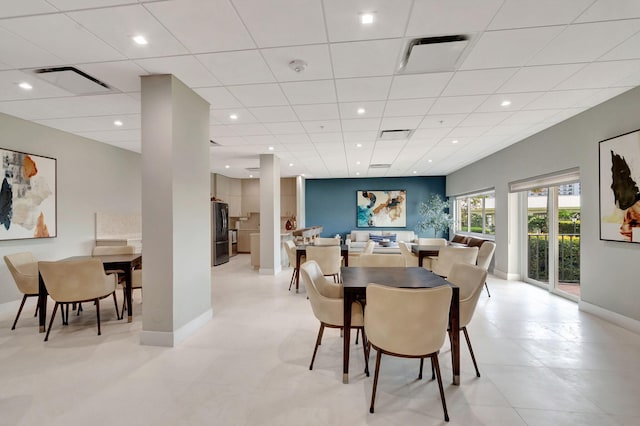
[435, 215]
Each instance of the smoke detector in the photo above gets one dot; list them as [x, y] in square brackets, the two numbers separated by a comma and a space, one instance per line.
[298, 65]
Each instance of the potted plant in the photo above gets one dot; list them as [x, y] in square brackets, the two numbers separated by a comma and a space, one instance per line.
[434, 215]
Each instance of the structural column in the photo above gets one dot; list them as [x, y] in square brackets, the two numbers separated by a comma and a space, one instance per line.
[269, 214]
[176, 211]
[300, 202]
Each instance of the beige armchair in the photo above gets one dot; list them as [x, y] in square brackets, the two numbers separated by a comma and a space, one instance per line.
[136, 274]
[326, 241]
[410, 259]
[485, 254]
[323, 285]
[469, 278]
[76, 281]
[329, 259]
[24, 269]
[410, 323]
[432, 241]
[382, 260]
[291, 250]
[368, 248]
[329, 310]
[448, 256]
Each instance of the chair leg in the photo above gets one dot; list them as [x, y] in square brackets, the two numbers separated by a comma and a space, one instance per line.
[115, 303]
[318, 340]
[487, 287]
[357, 334]
[366, 353]
[375, 379]
[293, 278]
[35, 314]
[64, 310]
[421, 365]
[24, 298]
[53, 316]
[434, 360]
[98, 315]
[473, 358]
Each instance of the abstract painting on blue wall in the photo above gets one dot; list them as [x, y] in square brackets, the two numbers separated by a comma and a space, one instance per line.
[27, 196]
[382, 209]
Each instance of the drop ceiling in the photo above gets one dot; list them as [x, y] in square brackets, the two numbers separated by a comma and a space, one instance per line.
[526, 67]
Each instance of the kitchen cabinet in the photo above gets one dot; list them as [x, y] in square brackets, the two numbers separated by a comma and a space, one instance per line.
[244, 244]
[250, 196]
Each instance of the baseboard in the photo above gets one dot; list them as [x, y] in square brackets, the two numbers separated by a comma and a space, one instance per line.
[615, 318]
[506, 276]
[172, 338]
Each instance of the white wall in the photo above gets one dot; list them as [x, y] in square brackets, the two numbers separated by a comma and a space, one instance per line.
[609, 271]
[92, 177]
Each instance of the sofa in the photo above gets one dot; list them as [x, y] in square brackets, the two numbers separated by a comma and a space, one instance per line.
[357, 239]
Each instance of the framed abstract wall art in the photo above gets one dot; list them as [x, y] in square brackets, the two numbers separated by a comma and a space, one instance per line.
[27, 196]
[619, 188]
[382, 209]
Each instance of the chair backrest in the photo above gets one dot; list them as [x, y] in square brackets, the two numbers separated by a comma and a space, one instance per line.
[76, 280]
[382, 260]
[448, 256]
[407, 321]
[107, 250]
[24, 269]
[328, 258]
[410, 259]
[368, 248]
[327, 310]
[323, 285]
[432, 241]
[290, 247]
[485, 254]
[470, 279]
[326, 241]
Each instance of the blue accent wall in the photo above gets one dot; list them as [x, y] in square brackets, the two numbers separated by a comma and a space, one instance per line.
[332, 202]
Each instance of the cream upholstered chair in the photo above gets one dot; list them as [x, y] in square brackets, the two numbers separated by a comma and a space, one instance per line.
[329, 310]
[291, 249]
[432, 242]
[326, 241]
[410, 323]
[323, 285]
[136, 274]
[75, 281]
[410, 259]
[24, 269]
[328, 258]
[447, 256]
[382, 260]
[469, 278]
[485, 254]
[368, 248]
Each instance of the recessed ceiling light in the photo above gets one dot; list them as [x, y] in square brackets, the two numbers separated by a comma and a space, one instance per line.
[414, 172]
[270, 148]
[118, 123]
[361, 111]
[357, 173]
[290, 164]
[233, 116]
[250, 175]
[227, 166]
[366, 18]
[358, 145]
[302, 174]
[505, 103]
[357, 163]
[430, 160]
[140, 40]
[26, 86]
[454, 141]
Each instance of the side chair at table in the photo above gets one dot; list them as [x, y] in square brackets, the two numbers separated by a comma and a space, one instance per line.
[24, 270]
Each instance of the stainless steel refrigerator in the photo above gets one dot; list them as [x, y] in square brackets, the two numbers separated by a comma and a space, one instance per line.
[220, 233]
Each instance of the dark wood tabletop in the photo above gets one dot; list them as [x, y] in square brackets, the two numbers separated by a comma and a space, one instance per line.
[424, 251]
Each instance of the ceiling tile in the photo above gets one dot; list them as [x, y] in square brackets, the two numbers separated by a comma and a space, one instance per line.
[360, 137]
[69, 41]
[224, 116]
[390, 123]
[442, 120]
[430, 134]
[408, 107]
[518, 101]
[88, 124]
[241, 67]
[628, 49]
[605, 10]
[317, 112]
[371, 109]
[468, 132]
[203, 25]
[21, 8]
[366, 58]
[87, 4]
[79, 106]
[599, 96]
[113, 135]
[485, 118]
[259, 95]
[343, 19]
[316, 57]
[360, 125]
[283, 22]
[249, 129]
[509, 48]
[560, 99]
[478, 82]
[20, 53]
[600, 75]
[362, 89]
[521, 14]
[538, 78]
[435, 17]
[10, 91]
[530, 117]
[218, 131]
[419, 85]
[260, 139]
[117, 26]
[585, 42]
[187, 68]
[322, 126]
[288, 128]
[121, 75]
[309, 92]
[218, 97]
[326, 138]
[457, 104]
[273, 114]
[300, 140]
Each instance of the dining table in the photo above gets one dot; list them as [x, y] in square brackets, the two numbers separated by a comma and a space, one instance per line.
[301, 250]
[355, 281]
[423, 251]
[124, 262]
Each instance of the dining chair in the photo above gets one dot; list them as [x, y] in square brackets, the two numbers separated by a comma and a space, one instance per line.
[432, 241]
[368, 248]
[24, 270]
[320, 241]
[382, 260]
[329, 259]
[291, 250]
[408, 323]
[136, 274]
[470, 279]
[330, 310]
[77, 281]
[448, 256]
[485, 254]
[410, 259]
[324, 286]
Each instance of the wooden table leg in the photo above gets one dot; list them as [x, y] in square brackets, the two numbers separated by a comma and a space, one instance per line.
[454, 318]
[298, 258]
[346, 340]
[42, 304]
[127, 294]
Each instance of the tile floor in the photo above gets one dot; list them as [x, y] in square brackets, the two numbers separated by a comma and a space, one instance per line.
[542, 362]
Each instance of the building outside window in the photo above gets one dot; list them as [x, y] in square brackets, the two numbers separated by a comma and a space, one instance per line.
[475, 214]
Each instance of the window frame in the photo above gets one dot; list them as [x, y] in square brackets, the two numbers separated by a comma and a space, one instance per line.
[467, 198]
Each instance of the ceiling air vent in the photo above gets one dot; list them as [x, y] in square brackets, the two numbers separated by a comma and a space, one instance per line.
[213, 143]
[397, 134]
[379, 166]
[73, 80]
[433, 54]
[253, 169]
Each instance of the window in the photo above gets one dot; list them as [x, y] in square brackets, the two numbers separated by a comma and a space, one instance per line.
[475, 213]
